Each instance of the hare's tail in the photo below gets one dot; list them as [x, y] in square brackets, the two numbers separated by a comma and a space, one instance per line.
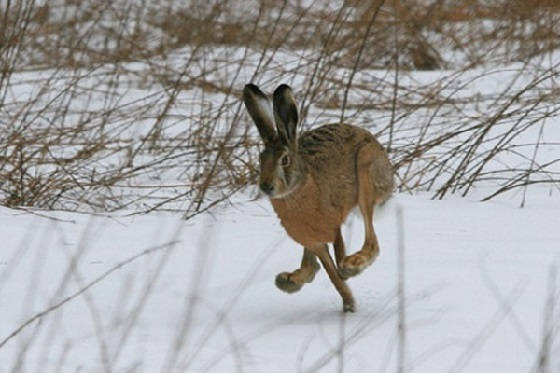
[386, 207]
[383, 179]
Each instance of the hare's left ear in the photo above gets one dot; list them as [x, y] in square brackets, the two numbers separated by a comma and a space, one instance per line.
[285, 114]
[258, 106]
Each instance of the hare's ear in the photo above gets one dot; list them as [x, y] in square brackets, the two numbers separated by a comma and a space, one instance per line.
[258, 106]
[285, 114]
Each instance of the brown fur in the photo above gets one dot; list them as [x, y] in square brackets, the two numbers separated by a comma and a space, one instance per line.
[328, 171]
[314, 212]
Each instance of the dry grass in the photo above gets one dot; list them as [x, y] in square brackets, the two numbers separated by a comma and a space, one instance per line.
[135, 104]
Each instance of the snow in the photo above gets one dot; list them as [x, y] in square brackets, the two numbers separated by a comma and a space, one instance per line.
[132, 292]
[476, 283]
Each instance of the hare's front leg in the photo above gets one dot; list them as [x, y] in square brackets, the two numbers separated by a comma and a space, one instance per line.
[348, 304]
[340, 255]
[290, 282]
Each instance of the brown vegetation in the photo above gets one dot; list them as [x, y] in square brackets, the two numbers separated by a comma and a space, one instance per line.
[136, 104]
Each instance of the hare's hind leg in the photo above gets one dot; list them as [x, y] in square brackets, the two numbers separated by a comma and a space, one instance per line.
[357, 262]
[290, 282]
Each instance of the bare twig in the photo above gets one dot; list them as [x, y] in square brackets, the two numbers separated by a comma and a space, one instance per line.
[76, 294]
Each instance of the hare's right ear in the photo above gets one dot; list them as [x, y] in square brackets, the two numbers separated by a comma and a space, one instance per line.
[258, 106]
[285, 114]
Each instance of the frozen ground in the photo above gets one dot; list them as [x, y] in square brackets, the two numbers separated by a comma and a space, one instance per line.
[154, 293]
[477, 280]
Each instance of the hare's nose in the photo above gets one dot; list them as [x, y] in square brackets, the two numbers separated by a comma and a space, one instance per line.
[267, 188]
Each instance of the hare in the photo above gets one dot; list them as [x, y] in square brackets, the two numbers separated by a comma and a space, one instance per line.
[313, 181]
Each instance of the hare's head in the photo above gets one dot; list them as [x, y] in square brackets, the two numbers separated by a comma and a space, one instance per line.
[281, 170]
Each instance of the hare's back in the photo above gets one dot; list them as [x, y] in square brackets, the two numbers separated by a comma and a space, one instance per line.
[334, 146]
[331, 152]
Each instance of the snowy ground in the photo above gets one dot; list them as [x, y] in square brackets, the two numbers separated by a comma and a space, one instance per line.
[477, 280]
[154, 293]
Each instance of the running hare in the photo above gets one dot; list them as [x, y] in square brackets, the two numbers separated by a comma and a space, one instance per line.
[313, 181]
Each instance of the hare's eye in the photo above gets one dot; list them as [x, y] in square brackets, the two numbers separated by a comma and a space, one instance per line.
[285, 160]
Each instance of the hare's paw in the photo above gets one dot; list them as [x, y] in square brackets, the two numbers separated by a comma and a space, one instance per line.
[285, 283]
[349, 305]
[290, 282]
[354, 264]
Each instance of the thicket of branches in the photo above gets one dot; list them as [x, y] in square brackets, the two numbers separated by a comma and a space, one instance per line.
[136, 103]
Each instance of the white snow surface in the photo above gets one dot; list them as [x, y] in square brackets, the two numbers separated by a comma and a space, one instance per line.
[477, 283]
